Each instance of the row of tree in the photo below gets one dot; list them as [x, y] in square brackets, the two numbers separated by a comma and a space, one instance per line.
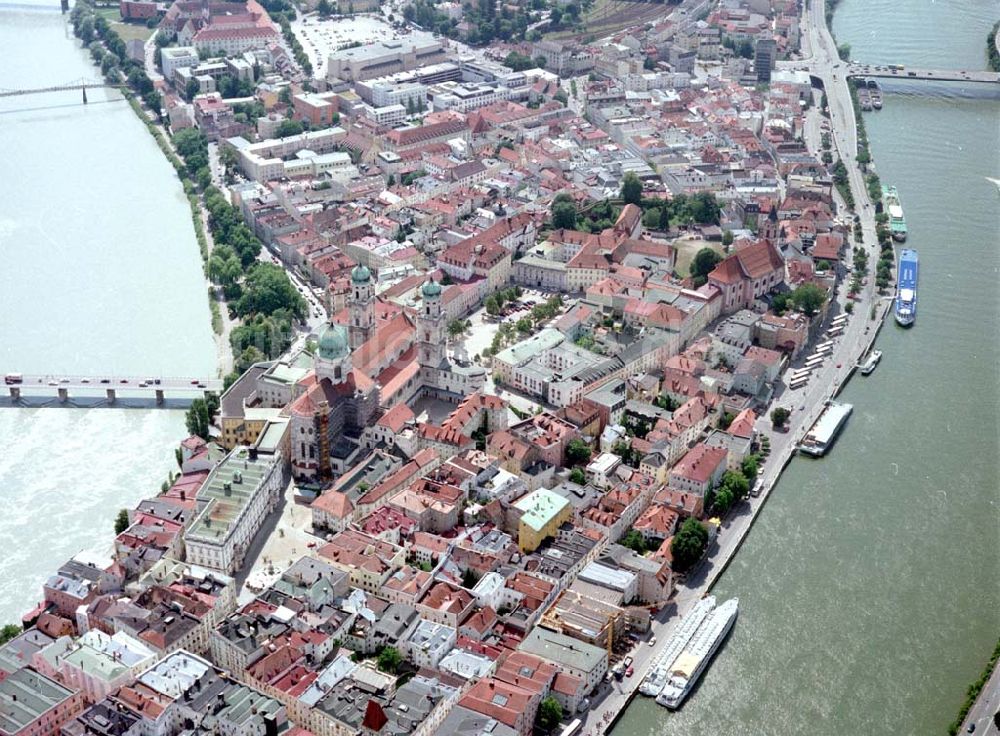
[109, 52]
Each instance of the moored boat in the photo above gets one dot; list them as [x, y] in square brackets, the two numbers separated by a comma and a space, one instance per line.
[868, 366]
[659, 671]
[691, 663]
[894, 208]
[905, 306]
[822, 434]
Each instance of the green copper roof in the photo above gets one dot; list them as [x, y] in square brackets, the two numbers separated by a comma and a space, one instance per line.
[334, 345]
[361, 274]
[431, 288]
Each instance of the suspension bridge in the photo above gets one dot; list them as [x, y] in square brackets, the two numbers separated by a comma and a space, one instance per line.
[82, 84]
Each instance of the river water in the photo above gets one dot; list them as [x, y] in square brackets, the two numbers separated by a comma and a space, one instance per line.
[101, 273]
[870, 585]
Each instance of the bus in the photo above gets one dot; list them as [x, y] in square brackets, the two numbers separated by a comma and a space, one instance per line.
[835, 331]
[839, 319]
[572, 727]
[13, 378]
[815, 362]
[824, 345]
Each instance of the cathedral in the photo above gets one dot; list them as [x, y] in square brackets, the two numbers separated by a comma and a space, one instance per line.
[384, 355]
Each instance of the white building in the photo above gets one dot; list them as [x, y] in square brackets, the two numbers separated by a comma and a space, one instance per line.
[232, 504]
[266, 160]
[389, 115]
[465, 97]
[428, 644]
[100, 664]
[176, 57]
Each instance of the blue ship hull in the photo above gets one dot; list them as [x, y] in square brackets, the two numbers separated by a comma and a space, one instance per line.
[905, 307]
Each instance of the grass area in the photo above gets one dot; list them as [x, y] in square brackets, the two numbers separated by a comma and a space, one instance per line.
[131, 31]
[688, 248]
[127, 31]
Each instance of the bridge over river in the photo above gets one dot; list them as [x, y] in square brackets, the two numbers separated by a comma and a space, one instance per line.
[105, 390]
[898, 71]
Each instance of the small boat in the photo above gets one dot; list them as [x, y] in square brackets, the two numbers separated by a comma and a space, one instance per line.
[868, 366]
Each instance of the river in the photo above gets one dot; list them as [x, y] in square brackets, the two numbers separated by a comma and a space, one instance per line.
[101, 273]
[870, 585]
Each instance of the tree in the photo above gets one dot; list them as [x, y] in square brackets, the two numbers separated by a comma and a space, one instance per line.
[324, 8]
[634, 541]
[456, 327]
[289, 128]
[563, 212]
[469, 578]
[704, 261]
[779, 415]
[727, 238]
[389, 660]
[576, 475]
[549, 715]
[577, 452]
[8, 632]
[121, 521]
[721, 500]
[808, 298]
[736, 483]
[191, 89]
[689, 544]
[266, 290]
[749, 467]
[631, 191]
[197, 419]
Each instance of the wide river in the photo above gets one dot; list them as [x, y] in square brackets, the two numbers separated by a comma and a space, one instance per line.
[870, 585]
[100, 274]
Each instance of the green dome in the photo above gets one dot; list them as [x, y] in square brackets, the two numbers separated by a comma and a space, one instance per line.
[431, 288]
[333, 345]
[361, 274]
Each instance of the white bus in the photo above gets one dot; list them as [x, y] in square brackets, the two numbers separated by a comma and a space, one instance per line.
[835, 331]
[815, 362]
[839, 319]
[572, 727]
[824, 345]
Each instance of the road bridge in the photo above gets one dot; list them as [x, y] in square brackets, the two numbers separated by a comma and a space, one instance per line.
[897, 71]
[21, 386]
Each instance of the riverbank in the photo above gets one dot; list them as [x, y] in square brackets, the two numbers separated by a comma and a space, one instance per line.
[983, 689]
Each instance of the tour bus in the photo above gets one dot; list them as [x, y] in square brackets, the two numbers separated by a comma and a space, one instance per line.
[12, 378]
[572, 727]
[815, 362]
[835, 331]
[824, 345]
